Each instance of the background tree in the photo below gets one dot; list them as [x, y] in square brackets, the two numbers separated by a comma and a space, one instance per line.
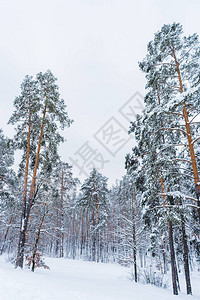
[94, 192]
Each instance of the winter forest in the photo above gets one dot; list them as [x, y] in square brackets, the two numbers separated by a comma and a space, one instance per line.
[149, 221]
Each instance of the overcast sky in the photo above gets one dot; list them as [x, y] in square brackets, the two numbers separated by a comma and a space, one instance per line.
[93, 48]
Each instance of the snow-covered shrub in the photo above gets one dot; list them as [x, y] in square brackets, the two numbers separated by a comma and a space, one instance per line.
[150, 276]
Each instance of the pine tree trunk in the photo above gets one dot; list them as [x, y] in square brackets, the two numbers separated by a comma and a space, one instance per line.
[96, 223]
[93, 237]
[185, 257]
[56, 247]
[173, 262]
[175, 281]
[196, 179]
[97, 246]
[171, 244]
[189, 136]
[62, 215]
[26, 210]
[87, 234]
[36, 164]
[21, 245]
[73, 235]
[82, 241]
[94, 247]
[134, 237]
[164, 256]
[36, 243]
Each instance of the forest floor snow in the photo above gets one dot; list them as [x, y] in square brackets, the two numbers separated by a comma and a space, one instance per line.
[80, 280]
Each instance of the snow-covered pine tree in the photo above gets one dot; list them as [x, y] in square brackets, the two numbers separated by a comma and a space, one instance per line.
[172, 72]
[26, 116]
[38, 111]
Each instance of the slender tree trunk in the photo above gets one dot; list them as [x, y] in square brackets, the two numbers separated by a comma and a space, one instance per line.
[175, 281]
[97, 231]
[24, 225]
[73, 236]
[173, 262]
[93, 237]
[79, 231]
[189, 136]
[134, 236]
[36, 164]
[62, 215]
[82, 241]
[164, 256]
[36, 243]
[57, 231]
[185, 257]
[87, 234]
[108, 239]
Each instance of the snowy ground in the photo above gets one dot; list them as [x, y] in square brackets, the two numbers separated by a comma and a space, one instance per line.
[79, 280]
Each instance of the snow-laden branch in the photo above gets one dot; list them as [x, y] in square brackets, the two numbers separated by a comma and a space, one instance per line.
[168, 128]
[195, 140]
[171, 145]
[194, 117]
[181, 159]
[185, 54]
[177, 194]
[174, 113]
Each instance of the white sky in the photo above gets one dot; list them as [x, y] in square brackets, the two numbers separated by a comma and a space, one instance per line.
[93, 48]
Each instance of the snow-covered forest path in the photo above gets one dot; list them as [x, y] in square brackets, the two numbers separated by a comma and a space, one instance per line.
[76, 280]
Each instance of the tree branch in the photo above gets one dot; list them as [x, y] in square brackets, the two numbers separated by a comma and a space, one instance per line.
[166, 128]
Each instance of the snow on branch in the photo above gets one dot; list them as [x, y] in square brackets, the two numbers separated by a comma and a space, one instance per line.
[167, 128]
